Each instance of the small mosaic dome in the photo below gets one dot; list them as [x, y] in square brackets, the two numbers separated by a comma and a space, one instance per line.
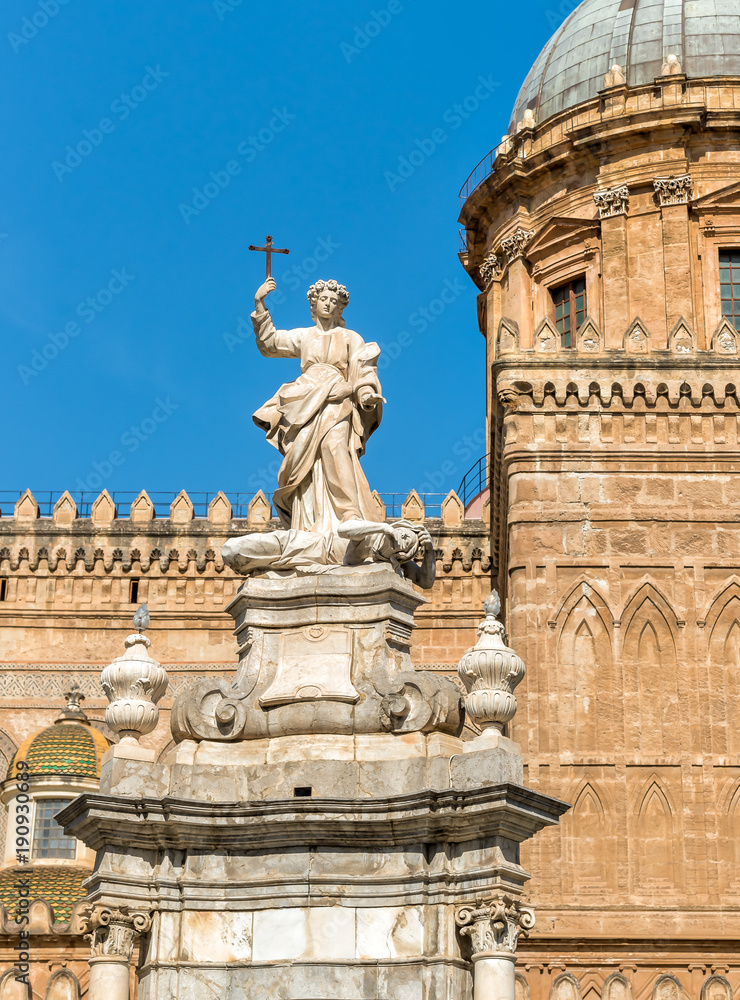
[638, 36]
[70, 748]
[58, 885]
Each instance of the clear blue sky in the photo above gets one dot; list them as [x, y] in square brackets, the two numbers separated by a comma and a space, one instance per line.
[147, 143]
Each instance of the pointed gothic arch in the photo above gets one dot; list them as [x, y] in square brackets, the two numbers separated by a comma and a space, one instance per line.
[655, 838]
[650, 665]
[716, 988]
[590, 846]
[617, 987]
[565, 987]
[585, 675]
[728, 822]
[63, 985]
[11, 989]
[723, 663]
[668, 987]
[521, 987]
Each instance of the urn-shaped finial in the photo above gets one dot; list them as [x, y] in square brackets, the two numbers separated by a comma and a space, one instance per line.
[133, 684]
[490, 672]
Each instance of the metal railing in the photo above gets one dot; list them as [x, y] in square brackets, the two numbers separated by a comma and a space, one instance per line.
[474, 481]
[46, 499]
[486, 166]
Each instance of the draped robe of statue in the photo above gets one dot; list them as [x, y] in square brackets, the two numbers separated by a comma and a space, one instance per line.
[318, 424]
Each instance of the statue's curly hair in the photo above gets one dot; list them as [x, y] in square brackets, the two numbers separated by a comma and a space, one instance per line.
[333, 285]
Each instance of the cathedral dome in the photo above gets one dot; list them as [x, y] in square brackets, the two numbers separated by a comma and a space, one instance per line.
[638, 36]
[71, 748]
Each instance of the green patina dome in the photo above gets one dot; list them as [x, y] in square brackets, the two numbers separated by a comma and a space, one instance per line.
[71, 748]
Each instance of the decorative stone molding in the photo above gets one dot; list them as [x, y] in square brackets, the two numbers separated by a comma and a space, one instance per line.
[673, 190]
[515, 245]
[490, 672]
[112, 931]
[612, 202]
[491, 267]
[495, 925]
[133, 684]
[547, 338]
[725, 338]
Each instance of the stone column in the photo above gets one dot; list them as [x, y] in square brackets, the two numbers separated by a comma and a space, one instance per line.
[112, 932]
[494, 926]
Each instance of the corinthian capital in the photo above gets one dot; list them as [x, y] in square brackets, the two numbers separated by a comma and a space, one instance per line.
[111, 930]
[515, 245]
[614, 201]
[494, 925]
[673, 190]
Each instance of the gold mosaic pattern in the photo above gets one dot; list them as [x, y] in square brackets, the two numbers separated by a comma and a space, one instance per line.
[58, 885]
[64, 748]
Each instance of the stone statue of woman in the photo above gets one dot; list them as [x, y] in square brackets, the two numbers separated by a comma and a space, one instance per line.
[320, 423]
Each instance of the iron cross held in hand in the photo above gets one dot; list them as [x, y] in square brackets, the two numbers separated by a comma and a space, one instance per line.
[269, 250]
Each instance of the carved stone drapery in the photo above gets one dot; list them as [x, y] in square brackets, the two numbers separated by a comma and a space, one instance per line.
[614, 201]
[112, 931]
[515, 245]
[494, 925]
[673, 190]
[491, 267]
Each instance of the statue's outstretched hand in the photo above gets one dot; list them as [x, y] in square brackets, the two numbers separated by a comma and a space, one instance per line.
[369, 400]
[264, 290]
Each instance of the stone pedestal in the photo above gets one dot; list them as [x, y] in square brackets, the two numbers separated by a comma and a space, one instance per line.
[322, 831]
[331, 869]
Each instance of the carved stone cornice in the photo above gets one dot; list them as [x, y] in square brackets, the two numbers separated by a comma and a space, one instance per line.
[515, 245]
[112, 931]
[491, 267]
[494, 926]
[613, 201]
[673, 190]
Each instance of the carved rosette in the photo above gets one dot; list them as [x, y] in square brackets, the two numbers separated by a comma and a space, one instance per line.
[112, 931]
[133, 684]
[490, 672]
[515, 245]
[494, 926]
[673, 190]
[614, 201]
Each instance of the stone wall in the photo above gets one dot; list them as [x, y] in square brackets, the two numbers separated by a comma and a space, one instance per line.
[616, 530]
[68, 599]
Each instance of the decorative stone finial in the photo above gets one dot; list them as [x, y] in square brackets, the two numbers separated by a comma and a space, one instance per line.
[490, 672]
[73, 711]
[133, 684]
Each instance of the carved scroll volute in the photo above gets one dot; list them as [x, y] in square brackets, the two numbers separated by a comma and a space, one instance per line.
[490, 672]
[112, 931]
[495, 925]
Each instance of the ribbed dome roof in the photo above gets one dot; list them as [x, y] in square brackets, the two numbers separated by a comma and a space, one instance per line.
[637, 35]
[72, 748]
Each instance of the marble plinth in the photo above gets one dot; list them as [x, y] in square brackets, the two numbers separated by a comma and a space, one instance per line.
[329, 868]
[321, 654]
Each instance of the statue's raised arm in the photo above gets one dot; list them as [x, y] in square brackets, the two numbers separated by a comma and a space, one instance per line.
[320, 423]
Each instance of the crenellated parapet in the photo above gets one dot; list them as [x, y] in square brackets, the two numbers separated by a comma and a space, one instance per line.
[68, 559]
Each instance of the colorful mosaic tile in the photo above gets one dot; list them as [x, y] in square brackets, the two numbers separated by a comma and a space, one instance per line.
[58, 885]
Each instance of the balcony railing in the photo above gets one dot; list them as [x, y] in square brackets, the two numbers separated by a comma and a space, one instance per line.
[46, 499]
[474, 482]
